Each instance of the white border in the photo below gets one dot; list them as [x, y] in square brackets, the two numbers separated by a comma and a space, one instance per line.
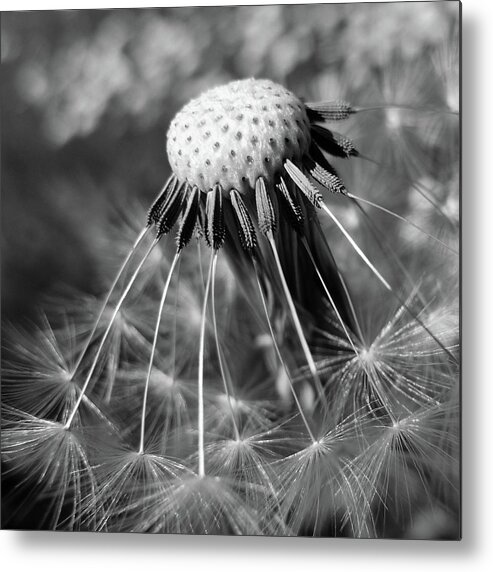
[83, 552]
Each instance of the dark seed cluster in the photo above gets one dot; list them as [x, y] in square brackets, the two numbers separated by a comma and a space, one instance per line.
[243, 155]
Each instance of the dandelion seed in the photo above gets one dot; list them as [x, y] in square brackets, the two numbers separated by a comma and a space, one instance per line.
[407, 221]
[396, 370]
[103, 339]
[38, 378]
[129, 333]
[244, 407]
[319, 489]
[401, 462]
[248, 458]
[207, 505]
[54, 461]
[126, 479]
[171, 404]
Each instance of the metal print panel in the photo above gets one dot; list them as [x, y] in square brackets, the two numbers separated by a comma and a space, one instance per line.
[231, 270]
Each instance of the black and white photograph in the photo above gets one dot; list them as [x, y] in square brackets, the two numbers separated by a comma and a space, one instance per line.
[231, 270]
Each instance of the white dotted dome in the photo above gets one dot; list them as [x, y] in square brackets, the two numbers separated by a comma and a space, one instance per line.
[238, 132]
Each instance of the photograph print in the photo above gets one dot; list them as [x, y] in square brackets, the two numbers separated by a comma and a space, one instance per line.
[230, 284]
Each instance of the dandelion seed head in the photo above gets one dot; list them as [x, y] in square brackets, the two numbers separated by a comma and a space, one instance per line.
[393, 119]
[170, 399]
[263, 341]
[160, 381]
[242, 139]
[228, 401]
[367, 355]
[307, 396]
[119, 320]
[396, 425]
[245, 409]
[233, 134]
[189, 309]
[156, 259]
